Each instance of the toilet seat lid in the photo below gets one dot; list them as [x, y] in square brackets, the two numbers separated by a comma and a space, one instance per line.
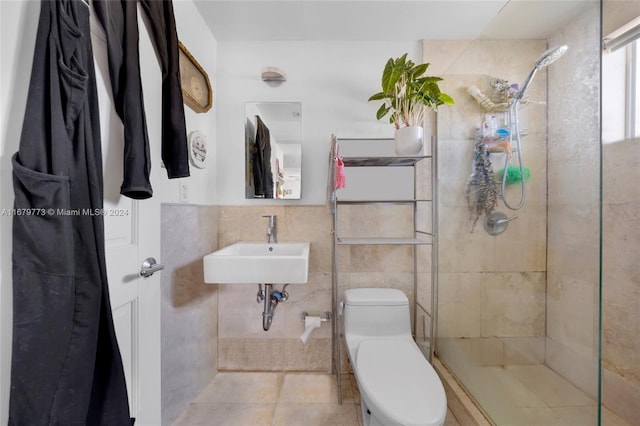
[398, 380]
[375, 297]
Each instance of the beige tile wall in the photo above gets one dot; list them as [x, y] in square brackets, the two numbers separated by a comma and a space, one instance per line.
[243, 344]
[490, 288]
[188, 307]
[621, 277]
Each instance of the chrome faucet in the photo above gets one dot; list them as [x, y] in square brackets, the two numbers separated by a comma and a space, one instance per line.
[271, 230]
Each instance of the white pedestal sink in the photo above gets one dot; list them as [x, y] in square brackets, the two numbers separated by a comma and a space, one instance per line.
[258, 263]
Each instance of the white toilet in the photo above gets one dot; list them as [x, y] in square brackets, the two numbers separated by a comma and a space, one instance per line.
[397, 384]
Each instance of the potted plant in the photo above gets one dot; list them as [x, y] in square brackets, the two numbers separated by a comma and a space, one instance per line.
[407, 95]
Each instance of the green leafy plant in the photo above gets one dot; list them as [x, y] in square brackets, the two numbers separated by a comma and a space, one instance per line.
[407, 93]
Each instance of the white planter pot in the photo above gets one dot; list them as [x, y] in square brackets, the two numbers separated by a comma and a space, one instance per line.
[409, 141]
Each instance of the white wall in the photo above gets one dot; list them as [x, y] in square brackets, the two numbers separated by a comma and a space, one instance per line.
[18, 32]
[333, 80]
[197, 38]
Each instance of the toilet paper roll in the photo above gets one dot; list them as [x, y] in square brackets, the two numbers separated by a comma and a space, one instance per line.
[310, 323]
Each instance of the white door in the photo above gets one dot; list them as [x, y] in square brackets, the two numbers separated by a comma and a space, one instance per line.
[132, 234]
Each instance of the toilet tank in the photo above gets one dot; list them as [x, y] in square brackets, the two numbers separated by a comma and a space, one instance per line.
[376, 312]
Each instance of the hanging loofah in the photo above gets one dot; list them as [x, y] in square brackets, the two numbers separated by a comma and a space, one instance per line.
[514, 175]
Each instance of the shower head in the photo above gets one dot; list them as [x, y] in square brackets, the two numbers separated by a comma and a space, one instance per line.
[546, 59]
[550, 56]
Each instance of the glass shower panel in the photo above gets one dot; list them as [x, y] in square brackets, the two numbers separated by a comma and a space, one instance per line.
[620, 223]
[518, 312]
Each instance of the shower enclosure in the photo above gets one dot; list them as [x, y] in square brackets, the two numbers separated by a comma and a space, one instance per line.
[518, 314]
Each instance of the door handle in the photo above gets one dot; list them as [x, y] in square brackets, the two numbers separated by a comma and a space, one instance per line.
[149, 266]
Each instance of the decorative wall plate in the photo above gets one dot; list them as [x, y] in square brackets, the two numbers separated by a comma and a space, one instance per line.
[196, 87]
[198, 149]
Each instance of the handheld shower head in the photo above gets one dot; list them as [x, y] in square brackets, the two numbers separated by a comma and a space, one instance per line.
[550, 56]
[547, 58]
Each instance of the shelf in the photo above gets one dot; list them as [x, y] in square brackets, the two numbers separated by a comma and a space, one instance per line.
[412, 201]
[382, 161]
[381, 241]
[392, 184]
[427, 313]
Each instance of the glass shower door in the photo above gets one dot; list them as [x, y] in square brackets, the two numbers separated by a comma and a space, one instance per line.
[518, 312]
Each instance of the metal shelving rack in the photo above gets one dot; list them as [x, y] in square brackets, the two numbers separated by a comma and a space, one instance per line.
[420, 238]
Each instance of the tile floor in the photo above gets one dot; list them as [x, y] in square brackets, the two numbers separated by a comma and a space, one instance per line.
[545, 396]
[284, 399]
[521, 396]
[535, 395]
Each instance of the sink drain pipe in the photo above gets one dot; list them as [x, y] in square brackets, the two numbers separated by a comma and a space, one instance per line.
[271, 298]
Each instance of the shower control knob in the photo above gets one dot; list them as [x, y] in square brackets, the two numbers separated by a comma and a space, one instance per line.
[497, 223]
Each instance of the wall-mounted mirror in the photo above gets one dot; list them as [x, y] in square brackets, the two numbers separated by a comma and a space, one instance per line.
[273, 150]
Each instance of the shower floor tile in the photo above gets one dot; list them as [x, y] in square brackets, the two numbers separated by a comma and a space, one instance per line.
[588, 416]
[549, 386]
[529, 395]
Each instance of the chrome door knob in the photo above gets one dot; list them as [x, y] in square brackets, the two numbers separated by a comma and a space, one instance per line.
[149, 267]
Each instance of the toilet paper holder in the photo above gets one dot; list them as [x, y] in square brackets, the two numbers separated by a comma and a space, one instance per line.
[327, 316]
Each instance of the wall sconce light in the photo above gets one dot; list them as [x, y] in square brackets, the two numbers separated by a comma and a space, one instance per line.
[273, 75]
